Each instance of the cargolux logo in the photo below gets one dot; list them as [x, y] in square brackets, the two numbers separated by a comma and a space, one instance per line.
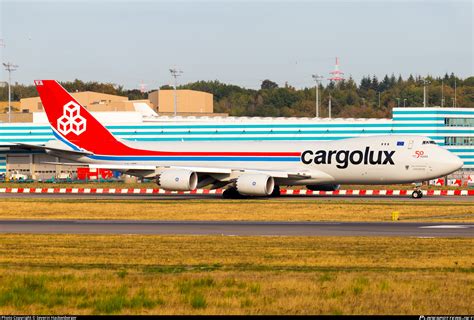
[71, 120]
[344, 157]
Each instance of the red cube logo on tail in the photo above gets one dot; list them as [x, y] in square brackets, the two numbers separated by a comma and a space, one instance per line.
[71, 120]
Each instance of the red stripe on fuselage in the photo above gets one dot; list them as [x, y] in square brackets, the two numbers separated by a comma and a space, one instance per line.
[141, 152]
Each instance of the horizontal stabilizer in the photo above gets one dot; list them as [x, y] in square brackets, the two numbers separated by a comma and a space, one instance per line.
[65, 163]
[42, 147]
[31, 147]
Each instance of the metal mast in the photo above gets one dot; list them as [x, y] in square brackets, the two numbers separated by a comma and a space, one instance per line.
[442, 93]
[329, 105]
[175, 73]
[10, 67]
[455, 102]
[425, 83]
[317, 78]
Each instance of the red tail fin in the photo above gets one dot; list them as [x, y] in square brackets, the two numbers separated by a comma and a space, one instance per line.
[72, 123]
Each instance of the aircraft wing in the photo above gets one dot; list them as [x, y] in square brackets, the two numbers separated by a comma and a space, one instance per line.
[273, 173]
[146, 170]
[208, 170]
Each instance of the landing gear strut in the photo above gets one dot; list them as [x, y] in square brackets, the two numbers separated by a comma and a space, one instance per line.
[232, 193]
[276, 192]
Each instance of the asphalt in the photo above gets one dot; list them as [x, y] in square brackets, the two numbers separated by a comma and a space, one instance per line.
[184, 197]
[237, 228]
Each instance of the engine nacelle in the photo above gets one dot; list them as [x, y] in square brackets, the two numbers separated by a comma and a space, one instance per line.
[255, 184]
[178, 180]
[323, 187]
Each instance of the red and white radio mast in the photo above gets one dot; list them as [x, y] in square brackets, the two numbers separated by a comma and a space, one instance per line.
[142, 87]
[337, 75]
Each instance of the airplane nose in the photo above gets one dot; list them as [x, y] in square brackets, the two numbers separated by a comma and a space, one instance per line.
[454, 163]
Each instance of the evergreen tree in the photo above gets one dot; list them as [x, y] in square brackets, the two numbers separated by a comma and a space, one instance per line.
[365, 83]
[400, 79]
[374, 85]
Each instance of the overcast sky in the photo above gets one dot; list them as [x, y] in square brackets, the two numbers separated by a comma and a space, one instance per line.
[239, 42]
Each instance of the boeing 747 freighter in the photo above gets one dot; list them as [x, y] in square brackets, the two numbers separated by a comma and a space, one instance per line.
[246, 168]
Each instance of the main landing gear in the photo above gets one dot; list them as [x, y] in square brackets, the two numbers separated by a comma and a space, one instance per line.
[276, 192]
[232, 193]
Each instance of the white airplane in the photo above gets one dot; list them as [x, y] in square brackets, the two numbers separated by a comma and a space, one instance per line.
[247, 168]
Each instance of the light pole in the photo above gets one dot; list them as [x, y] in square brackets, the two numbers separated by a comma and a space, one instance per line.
[442, 93]
[398, 101]
[175, 73]
[317, 78]
[10, 67]
[425, 83]
[329, 105]
[455, 102]
[404, 101]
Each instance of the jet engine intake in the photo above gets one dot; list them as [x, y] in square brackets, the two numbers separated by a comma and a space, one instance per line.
[178, 180]
[255, 184]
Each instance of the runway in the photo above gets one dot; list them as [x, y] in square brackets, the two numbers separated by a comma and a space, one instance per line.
[184, 197]
[238, 228]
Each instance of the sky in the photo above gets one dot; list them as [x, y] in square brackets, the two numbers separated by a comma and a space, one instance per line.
[237, 42]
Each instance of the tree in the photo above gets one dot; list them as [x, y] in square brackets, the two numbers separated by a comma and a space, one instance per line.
[348, 98]
[469, 82]
[268, 84]
[374, 85]
[400, 79]
[385, 84]
[365, 83]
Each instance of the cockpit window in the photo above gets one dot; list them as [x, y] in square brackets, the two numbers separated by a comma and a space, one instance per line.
[429, 142]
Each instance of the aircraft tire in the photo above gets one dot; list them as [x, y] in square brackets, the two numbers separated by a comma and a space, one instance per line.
[417, 194]
[276, 192]
[231, 193]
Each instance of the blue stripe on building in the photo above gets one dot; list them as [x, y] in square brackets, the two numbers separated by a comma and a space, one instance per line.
[428, 122]
[438, 111]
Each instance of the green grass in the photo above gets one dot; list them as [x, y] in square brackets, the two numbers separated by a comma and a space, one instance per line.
[132, 274]
[288, 209]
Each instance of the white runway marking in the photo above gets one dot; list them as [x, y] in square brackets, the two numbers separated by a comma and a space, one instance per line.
[445, 227]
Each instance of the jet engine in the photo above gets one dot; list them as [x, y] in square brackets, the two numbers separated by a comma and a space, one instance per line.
[255, 184]
[178, 180]
[323, 187]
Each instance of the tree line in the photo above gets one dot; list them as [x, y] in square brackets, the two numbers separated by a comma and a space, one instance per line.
[371, 98]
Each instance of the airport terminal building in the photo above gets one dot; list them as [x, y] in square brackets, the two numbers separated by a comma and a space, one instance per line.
[452, 128]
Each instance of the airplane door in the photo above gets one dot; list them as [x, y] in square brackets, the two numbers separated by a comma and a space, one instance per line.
[410, 144]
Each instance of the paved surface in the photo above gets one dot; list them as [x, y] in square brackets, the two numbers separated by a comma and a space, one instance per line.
[184, 197]
[247, 228]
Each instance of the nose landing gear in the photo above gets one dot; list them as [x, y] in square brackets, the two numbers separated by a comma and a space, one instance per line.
[417, 193]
